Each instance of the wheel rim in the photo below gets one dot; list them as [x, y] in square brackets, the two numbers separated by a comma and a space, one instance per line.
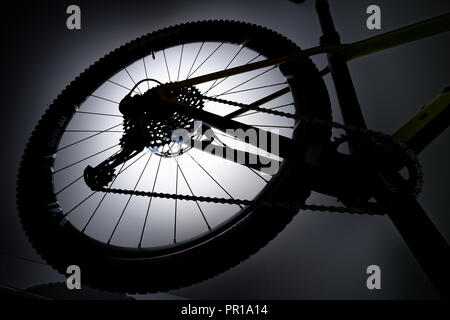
[167, 53]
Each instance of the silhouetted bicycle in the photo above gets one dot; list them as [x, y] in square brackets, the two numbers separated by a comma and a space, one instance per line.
[185, 151]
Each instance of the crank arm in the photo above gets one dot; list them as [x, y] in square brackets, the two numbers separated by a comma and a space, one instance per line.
[427, 244]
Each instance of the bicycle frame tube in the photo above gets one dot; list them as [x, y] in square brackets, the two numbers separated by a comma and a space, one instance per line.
[350, 51]
[417, 230]
[426, 243]
[346, 52]
[426, 124]
[337, 63]
[397, 37]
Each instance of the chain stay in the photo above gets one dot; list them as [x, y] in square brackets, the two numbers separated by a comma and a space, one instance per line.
[375, 135]
[376, 210]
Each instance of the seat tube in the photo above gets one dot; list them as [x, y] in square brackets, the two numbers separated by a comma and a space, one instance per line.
[348, 100]
[422, 237]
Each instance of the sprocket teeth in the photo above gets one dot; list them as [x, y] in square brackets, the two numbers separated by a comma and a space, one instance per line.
[159, 131]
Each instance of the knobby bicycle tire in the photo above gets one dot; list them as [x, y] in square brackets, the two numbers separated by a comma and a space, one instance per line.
[125, 271]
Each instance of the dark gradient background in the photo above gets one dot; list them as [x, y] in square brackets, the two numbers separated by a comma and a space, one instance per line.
[319, 255]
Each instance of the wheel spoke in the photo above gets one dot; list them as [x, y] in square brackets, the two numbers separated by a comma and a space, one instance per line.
[70, 184]
[221, 187]
[132, 80]
[79, 204]
[105, 99]
[176, 206]
[285, 144]
[101, 114]
[271, 126]
[218, 83]
[120, 171]
[85, 131]
[149, 203]
[258, 103]
[89, 137]
[146, 74]
[195, 60]
[179, 64]
[77, 179]
[229, 63]
[246, 81]
[250, 89]
[251, 169]
[272, 108]
[167, 67]
[84, 159]
[259, 175]
[129, 198]
[134, 161]
[281, 106]
[235, 155]
[180, 59]
[118, 84]
[101, 201]
[201, 64]
[192, 193]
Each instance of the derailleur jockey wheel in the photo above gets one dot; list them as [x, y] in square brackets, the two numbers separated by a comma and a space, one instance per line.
[149, 122]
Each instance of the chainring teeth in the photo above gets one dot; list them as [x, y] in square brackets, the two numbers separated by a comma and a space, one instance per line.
[415, 174]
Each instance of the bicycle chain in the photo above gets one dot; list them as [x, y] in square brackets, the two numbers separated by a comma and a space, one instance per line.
[374, 135]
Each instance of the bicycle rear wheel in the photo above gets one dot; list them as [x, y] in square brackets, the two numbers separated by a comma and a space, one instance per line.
[140, 242]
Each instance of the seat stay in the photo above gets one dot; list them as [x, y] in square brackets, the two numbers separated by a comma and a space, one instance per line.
[350, 51]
